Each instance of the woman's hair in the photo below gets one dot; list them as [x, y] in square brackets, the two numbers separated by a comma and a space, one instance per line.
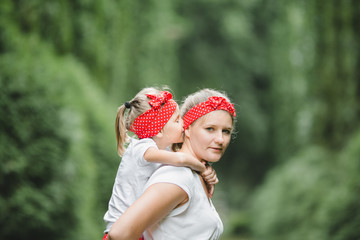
[138, 105]
[196, 98]
[200, 96]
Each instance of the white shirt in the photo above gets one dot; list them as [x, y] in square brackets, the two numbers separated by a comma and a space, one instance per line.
[195, 220]
[132, 175]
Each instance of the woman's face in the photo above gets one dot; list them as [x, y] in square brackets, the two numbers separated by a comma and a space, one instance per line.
[209, 136]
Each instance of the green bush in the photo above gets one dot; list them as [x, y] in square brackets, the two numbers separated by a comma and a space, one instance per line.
[32, 153]
[57, 149]
[313, 196]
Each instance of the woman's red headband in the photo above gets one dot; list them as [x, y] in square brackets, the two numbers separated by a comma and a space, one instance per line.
[212, 104]
[153, 120]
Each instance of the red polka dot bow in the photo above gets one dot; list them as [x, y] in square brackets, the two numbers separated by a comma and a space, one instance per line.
[213, 103]
[157, 100]
[153, 120]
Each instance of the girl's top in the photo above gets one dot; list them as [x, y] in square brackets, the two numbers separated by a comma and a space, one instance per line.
[196, 219]
[131, 177]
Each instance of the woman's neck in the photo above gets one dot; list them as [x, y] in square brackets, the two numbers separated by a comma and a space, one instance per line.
[186, 148]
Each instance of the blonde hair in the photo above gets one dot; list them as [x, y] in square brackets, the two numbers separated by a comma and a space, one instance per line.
[138, 105]
[196, 98]
[201, 96]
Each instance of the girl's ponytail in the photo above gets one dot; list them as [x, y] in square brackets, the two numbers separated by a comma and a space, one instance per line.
[120, 130]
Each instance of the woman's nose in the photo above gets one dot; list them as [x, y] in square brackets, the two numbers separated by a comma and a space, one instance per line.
[219, 138]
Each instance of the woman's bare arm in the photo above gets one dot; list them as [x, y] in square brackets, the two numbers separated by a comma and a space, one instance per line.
[156, 202]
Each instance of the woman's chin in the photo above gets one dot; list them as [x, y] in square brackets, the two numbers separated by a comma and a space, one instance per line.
[213, 158]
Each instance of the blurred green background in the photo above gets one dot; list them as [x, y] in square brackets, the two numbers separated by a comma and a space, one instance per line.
[292, 68]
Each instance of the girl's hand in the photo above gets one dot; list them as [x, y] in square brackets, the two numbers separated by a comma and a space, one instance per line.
[188, 160]
[210, 178]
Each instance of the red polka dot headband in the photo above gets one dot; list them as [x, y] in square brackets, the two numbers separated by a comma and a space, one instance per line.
[213, 103]
[153, 120]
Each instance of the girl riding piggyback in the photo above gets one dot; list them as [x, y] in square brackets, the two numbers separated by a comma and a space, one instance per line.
[153, 116]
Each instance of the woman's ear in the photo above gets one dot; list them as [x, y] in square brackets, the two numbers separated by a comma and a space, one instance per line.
[187, 132]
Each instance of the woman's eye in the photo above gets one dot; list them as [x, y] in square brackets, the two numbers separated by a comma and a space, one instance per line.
[226, 131]
[210, 129]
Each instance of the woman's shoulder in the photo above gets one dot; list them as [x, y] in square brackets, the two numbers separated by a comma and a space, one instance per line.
[170, 174]
[170, 170]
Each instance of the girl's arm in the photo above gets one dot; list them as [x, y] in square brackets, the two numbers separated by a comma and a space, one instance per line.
[156, 202]
[178, 159]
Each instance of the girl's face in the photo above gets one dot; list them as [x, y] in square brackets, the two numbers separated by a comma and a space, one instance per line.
[209, 136]
[173, 129]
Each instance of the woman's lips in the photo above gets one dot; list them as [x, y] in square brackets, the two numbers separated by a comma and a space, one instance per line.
[216, 149]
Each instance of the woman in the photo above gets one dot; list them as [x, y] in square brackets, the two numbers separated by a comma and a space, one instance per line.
[175, 203]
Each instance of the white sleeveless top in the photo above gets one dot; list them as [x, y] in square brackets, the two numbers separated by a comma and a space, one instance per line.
[197, 219]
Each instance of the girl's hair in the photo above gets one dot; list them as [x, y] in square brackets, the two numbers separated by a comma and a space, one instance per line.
[196, 98]
[138, 105]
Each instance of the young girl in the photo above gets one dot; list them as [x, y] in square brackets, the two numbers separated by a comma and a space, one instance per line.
[154, 117]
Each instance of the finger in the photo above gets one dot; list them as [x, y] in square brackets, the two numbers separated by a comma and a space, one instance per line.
[211, 190]
[212, 182]
[211, 176]
[206, 173]
[210, 171]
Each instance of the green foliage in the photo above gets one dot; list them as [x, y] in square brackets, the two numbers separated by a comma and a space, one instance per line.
[314, 117]
[314, 195]
[32, 153]
[51, 175]
[290, 67]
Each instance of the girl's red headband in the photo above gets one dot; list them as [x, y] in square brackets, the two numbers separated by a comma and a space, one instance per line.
[213, 103]
[153, 120]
